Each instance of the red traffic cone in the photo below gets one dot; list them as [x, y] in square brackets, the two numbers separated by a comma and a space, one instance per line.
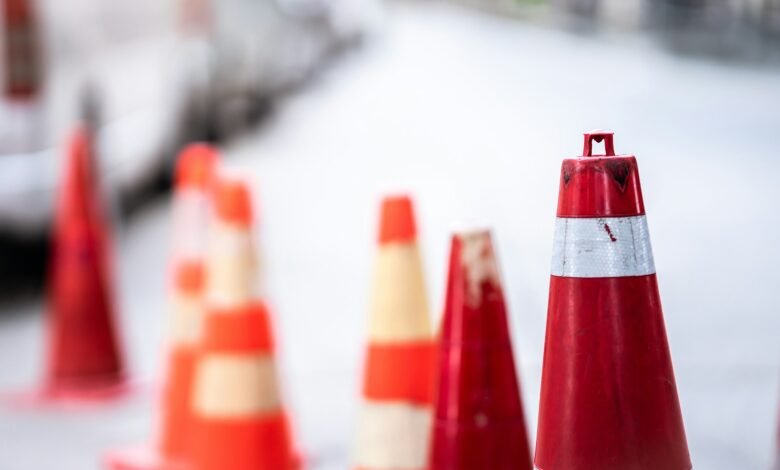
[479, 421]
[84, 354]
[194, 177]
[609, 399]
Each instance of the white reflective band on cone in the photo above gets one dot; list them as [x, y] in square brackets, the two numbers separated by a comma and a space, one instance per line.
[602, 247]
[231, 266]
[393, 436]
[229, 386]
[190, 215]
[399, 305]
[186, 318]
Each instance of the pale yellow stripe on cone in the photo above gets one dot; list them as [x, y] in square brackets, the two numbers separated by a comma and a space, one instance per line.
[393, 436]
[186, 318]
[231, 266]
[400, 305]
[231, 386]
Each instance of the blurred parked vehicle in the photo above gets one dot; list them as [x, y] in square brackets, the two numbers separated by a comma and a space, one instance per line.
[150, 75]
[241, 53]
[67, 62]
[732, 28]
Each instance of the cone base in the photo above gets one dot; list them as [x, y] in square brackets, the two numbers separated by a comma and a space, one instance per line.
[71, 396]
[244, 444]
[142, 458]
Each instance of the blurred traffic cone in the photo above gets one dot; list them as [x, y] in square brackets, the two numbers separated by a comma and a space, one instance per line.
[231, 257]
[395, 417]
[84, 355]
[238, 421]
[479, 421]
[194, 175]
[608, 399]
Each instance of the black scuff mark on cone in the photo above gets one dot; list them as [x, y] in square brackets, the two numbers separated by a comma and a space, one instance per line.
[566, 173]
[609, 232]
[620, 171]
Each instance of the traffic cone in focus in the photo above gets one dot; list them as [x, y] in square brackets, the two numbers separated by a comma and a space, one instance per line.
[609, 399]
[194, 177]
[84, 355]
[238, 419]
[395, 417]
[479, 420]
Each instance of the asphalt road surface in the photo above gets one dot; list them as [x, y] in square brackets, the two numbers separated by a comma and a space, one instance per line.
[472, 114]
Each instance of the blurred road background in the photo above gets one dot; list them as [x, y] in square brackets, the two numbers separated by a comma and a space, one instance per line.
[329, 105]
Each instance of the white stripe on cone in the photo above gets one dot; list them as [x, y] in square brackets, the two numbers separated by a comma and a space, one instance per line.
[190, 215]
[393, 436]
[399, 304]
[233, 386]
[186, 318]
[231, 266]
[602, 247]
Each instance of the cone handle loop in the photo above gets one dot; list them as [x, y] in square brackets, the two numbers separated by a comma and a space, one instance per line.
[598, 136]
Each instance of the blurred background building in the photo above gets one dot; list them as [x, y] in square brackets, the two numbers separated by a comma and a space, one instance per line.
[469, 103]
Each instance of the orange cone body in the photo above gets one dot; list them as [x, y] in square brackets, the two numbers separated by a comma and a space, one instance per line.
[608, 398]
[238, 419]
[84, 354]
[479, 420]
[194, 176]
[395, 417]
[194, 180]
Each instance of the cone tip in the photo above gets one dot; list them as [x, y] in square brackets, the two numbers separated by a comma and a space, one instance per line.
[195, 166]
[397, 223]
[78, 141]
[233, 201]
[478, 261]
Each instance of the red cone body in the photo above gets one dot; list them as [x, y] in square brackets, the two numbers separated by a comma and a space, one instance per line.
[83, 344]
[609, 399]
[479, 420]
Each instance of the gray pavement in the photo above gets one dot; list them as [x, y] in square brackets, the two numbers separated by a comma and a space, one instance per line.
[473, 115]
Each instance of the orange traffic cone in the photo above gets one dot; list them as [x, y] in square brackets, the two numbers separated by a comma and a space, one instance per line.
[238, 419]
[608, 397]
[85, 362]
[395, 418]
[194, 175]
[479, 414]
